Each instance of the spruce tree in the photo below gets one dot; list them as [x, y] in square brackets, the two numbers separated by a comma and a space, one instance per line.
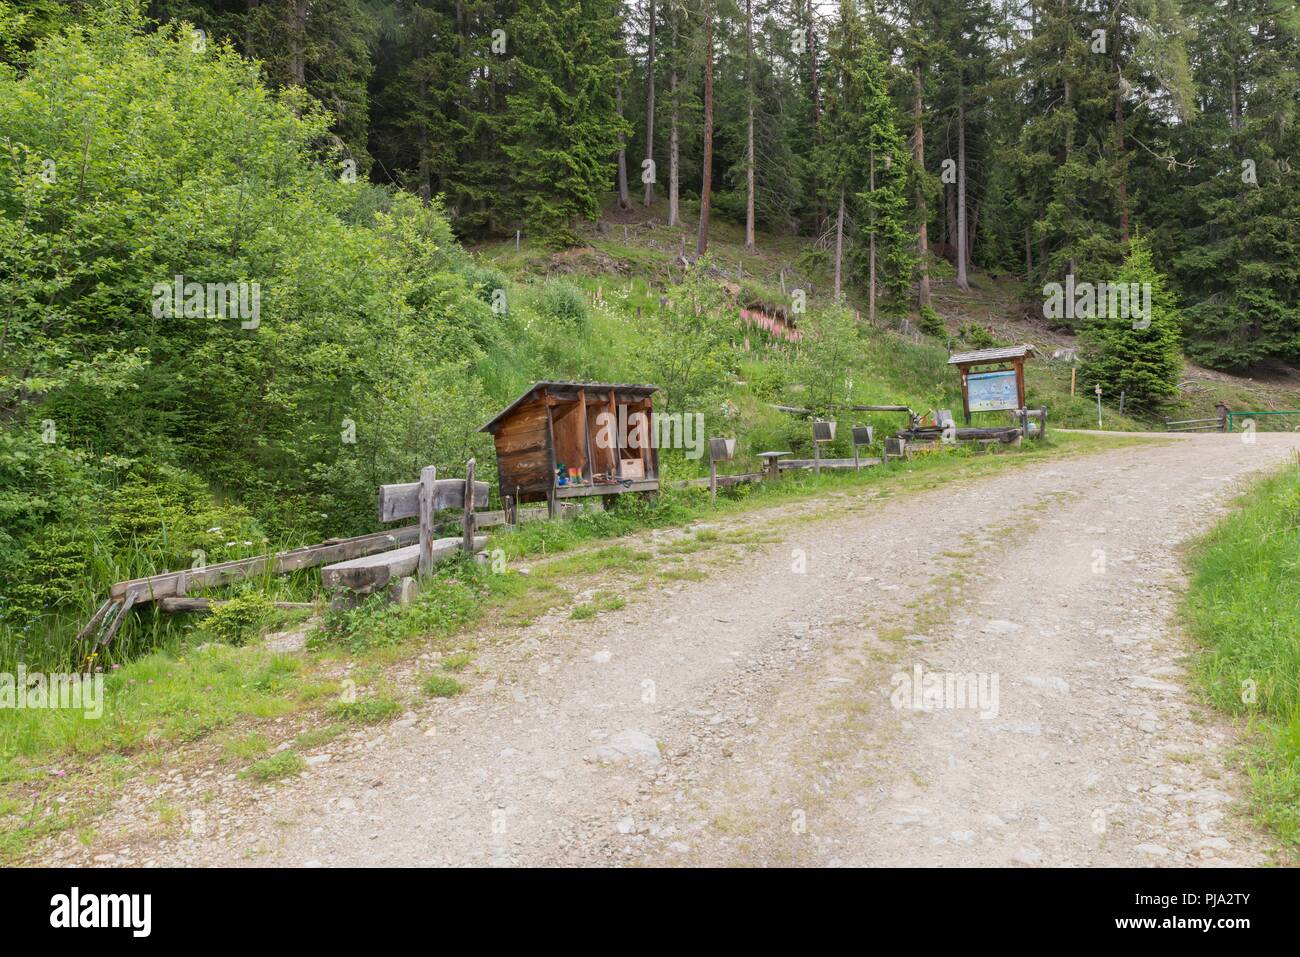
[862, 163]
[1135, 354]
[562, 127]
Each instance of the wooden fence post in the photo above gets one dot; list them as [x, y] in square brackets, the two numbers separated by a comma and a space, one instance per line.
[467, 523]
[428, 475]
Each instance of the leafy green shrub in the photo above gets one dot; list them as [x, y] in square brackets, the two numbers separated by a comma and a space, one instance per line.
[484, 279]
[239, 619]
[931, 324]
[976, 336]
[444, 604]
[122, 416]
[767, 380]
[48, 574]
[564, 303]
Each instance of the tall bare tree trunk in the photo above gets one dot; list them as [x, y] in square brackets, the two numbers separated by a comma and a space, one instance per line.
[812, 58]
[706, 187]
[963, 282]
[674, 211]
[922, 214]
[298, 44]
[871, 241]
[624, 200]
[248, 28]
[426, 177]
[749, 132]
[839, 244]
[819, 206]
[1119, 132]
[650, 109]
[674, 159]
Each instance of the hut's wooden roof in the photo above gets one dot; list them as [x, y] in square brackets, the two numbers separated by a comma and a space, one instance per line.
[566, 388]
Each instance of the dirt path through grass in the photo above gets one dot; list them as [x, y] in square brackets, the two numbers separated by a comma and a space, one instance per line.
[750, 717]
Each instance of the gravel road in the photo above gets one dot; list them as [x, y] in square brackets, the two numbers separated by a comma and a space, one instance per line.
[986, 673]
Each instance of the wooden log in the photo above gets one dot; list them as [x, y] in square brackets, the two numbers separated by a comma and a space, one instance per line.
[368, 574]
[825, 463]
[155, 587]
[115, 625]
[723, 481]
[95, 620]
[177, 604]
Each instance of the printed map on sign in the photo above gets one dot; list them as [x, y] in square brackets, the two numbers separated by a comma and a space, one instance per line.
[989, 391]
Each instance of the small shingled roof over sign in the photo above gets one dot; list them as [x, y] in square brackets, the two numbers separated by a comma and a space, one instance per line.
[1000, 354]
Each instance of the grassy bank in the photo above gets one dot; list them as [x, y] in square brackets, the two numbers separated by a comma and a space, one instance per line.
[233, 700]
[1244, 610]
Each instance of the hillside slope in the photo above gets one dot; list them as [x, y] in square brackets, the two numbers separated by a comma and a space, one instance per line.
[631, 257]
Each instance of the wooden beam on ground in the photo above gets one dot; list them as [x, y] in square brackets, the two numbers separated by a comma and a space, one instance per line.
[785, 464]
[368, 574]
[176, 604]
[115, 625]
[723, 481]
[155, 587]
[95, 620]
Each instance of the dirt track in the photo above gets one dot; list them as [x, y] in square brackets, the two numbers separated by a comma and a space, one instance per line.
[747, 718]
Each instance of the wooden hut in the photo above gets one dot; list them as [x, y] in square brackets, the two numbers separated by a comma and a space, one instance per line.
[562, 440]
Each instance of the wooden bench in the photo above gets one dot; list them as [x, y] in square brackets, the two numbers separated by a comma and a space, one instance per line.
[372, 572]
[423, 499]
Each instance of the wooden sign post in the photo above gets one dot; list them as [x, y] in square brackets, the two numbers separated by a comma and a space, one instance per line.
[720, 450]
[822, 432]
[862, 435]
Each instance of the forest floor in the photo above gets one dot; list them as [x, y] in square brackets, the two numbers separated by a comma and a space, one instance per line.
[746, 710]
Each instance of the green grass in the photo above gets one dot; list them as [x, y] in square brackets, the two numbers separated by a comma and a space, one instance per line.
[162, 698]
[282, 765]
[601, 602]
[369, 710]
[1243, 607]
[315, 737]
[245, 747]
[441, 686]
[457, 662]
